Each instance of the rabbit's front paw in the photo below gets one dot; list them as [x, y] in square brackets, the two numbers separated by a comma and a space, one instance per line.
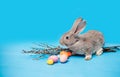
[88, 57]
[99, 52]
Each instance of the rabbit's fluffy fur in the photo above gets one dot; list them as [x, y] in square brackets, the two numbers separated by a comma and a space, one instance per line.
[83, 44]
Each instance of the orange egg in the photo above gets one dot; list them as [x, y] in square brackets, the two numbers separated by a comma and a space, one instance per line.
[69, 53]
[63, 53]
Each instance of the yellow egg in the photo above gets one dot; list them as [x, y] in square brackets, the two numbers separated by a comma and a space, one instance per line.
[50, 62]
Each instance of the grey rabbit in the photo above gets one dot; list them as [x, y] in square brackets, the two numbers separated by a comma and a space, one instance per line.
[83, 44]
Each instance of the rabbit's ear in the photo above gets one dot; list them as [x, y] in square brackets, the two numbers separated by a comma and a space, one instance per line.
[80, 27]
[77, 21]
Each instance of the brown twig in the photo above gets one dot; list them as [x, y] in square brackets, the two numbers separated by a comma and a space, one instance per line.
[111, 49]
[46, 49]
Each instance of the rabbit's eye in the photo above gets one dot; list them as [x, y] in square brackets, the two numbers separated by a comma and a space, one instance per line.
[67, 37]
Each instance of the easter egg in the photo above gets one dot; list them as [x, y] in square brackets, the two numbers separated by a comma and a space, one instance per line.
[69, 53]
[50, 61]
[63, 58]
[63, 53]
[54, 58]
[66, 53]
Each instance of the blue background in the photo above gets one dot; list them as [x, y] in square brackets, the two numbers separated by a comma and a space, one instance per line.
[25, 21]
